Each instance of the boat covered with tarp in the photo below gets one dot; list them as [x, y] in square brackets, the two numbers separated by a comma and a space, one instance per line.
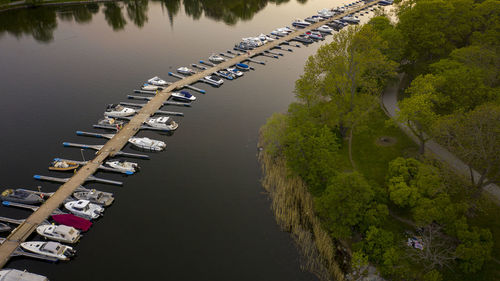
[72, 220]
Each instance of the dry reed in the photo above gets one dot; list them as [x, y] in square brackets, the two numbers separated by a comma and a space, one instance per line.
[293, 208]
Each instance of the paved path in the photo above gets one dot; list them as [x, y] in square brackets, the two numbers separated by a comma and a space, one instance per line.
[390, 106]
[23, 231]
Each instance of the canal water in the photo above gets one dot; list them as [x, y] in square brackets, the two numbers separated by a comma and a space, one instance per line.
[194, 212]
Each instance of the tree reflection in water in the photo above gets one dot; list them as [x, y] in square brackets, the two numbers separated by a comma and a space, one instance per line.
[41, 22]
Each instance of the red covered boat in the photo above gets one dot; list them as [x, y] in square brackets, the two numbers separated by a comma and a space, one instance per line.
[72, 220]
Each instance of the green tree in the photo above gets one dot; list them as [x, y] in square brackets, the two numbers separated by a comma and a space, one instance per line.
[346, 74]
[344, 203]
[377, 242]
[475, 248]
[475, 138]
[417, 111]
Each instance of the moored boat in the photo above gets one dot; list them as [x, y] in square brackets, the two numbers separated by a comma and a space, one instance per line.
[72, 220]
[235, 72]
[50, 249]
[60, 233]
[149, 87]
[4, 227]
[224, 74]
[111, 122]
[84, 209]
[185, 70]
[325, 29]
[95, 196]
[242, 66]
[157, 81]
[183, 95]
[62, 165]
[148, 144]
[18, 275]
[20, 196]
[162, 122]
[300, 23]
[123, 165]
[216, 58]
[116, 110]
[213, 80]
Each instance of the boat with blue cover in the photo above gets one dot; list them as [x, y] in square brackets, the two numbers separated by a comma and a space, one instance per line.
[183, 95]
[242, 66]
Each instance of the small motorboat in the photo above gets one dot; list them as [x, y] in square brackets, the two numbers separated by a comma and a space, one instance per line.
[123, 166]
[72, 220]
[287, 29]
[264, 37]
[4, 228]
[313, 19]
[315, 35]
[326, 13]
[300, 23]
[149, 87]
[213, 80]
[116, 110]
[350, 19]
[224, 74]
[185, 70]
[216, 58]
[157, 81]
[279, 33]
[183, 95]
[303, 39]
[84, 209]
[162, 122]
[18, 275]
[244, 46]
[253, 41]
[62, 165]
[111, 122]
[148, 144]
[21, 196]
[50, 249]
[60, 233]
[95, 196]
[236, 73]
[325, 29]
[242, 66]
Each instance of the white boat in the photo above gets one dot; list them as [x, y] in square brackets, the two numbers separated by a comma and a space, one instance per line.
[266, 38]
[235, 72]
[95, 197]
[314, 35]
[157, 81]
[213, 80]
[149, 87]
[61, 233]
[300, 23]
[326, 13]
[50, 249]
[313, 19]
[253, 41]
[286, 29]
[279, 33]
[148, 144]
[216, 58]
[84, 209]
[123, 166]
[116, 110]
[350, 19]
[162, 122]
[325, 29]
[183, 95]
[185, 70]
[18, 275]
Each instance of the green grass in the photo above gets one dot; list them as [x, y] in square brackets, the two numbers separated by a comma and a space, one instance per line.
[372, 159]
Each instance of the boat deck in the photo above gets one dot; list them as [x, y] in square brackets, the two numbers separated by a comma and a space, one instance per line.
[114, 145]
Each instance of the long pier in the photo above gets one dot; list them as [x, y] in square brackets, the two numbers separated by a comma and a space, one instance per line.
[10, 245]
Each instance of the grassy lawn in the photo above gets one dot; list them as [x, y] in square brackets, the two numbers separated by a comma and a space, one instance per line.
[371, 157]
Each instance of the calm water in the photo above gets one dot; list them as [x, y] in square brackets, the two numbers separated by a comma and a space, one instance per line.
[194, 212]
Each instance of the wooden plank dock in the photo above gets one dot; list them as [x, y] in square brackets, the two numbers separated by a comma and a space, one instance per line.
[23, 231]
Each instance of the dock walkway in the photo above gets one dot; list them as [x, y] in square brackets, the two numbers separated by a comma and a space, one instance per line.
[114, 145]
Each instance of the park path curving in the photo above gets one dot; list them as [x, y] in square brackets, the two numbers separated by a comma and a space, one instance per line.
[389, 102]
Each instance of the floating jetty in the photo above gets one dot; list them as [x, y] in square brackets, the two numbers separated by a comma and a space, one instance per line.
[10, 245]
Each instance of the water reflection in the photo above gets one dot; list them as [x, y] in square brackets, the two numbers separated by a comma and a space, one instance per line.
[42, 21]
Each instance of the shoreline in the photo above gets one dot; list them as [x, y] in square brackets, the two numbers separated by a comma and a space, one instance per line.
[9, 7]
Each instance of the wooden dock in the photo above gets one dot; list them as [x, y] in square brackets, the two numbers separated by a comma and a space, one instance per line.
[23, 231]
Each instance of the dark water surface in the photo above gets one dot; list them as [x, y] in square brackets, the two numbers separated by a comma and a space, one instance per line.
[196, 211]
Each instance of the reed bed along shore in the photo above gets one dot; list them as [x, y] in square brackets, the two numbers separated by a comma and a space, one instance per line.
[292, 205]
